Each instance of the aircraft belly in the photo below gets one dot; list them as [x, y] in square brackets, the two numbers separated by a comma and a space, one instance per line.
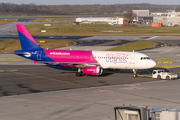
[119, 65]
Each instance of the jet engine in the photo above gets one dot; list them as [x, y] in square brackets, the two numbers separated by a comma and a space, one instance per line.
[92, 70]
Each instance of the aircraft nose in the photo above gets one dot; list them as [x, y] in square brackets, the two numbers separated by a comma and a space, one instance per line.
[153, 63]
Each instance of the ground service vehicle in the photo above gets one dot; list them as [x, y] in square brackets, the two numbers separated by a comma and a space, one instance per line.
[162, 74]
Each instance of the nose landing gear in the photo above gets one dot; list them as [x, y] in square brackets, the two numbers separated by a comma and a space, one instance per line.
[135, 72]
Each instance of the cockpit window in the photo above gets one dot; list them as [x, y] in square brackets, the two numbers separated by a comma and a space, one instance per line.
[145, 58]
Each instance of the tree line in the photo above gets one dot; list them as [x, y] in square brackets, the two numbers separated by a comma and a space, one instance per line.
[32, 9]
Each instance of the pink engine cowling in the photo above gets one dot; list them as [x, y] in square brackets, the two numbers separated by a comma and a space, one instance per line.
[92, 70]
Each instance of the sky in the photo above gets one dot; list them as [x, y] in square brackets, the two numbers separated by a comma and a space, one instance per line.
[82, 2]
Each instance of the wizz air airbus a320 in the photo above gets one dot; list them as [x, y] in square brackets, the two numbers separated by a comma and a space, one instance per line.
[87, 62]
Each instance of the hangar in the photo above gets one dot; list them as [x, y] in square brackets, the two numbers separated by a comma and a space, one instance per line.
[143, 17]
[109, 20]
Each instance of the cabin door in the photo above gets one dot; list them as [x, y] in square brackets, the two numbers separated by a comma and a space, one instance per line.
[39, 55]
[132, 59]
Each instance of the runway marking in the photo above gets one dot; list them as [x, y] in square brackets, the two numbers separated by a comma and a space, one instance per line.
[161, 58]
[17, 60]
[166, 62]
[4, 63]
[12, 70]
[173, 58]
[101, 103]
[9, 58]
[10, 93]
[52, 79]
[2, 70]
[163, 64]
[167, 66]
[16, 78]
[152, 37]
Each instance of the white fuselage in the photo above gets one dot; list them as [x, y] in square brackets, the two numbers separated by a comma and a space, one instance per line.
[123, 60]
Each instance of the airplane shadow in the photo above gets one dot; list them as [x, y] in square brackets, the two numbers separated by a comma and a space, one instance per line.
[106, 72]
[62, 68]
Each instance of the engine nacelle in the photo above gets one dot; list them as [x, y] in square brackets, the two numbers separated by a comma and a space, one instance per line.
[92, 70]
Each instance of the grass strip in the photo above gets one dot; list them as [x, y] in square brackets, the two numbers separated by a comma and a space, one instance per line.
[6, 21]
[133, 46]
[10, 45]
[65, 29]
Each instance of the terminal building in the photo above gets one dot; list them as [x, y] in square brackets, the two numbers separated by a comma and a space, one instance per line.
[143, 17]
[171, 18]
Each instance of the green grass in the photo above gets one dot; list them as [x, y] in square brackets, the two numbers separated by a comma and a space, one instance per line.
[6, 21]
[65, 29]
[55, 20]
[133, 46]
[10, 45]
[51, 44]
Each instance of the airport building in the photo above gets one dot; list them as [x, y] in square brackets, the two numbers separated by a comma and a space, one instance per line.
[108, 20]
[171, 18]
[144, 17]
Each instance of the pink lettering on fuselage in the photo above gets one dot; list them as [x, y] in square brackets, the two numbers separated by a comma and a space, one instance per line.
[116, 57]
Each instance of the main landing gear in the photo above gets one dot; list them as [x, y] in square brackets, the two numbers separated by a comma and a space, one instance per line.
[79, 73]
[135, 72]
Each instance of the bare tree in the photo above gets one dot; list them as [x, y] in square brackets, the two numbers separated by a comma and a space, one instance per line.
[178, 8]
[130, 15]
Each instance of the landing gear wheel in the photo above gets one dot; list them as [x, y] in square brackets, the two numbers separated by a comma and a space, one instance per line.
[135, 72]
[135, 75]
[167, 78]
[158, 77]
[78, 74]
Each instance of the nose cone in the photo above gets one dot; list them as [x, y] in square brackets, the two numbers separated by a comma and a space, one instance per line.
[152, 64]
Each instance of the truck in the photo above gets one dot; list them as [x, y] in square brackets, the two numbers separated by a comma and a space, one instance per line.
[162, 74]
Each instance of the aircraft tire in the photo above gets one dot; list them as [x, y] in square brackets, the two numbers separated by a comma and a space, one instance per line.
[135, 75]
[158, 77]
[167, 78]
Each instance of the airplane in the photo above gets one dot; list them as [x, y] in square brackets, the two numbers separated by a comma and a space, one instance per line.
[87, 62]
